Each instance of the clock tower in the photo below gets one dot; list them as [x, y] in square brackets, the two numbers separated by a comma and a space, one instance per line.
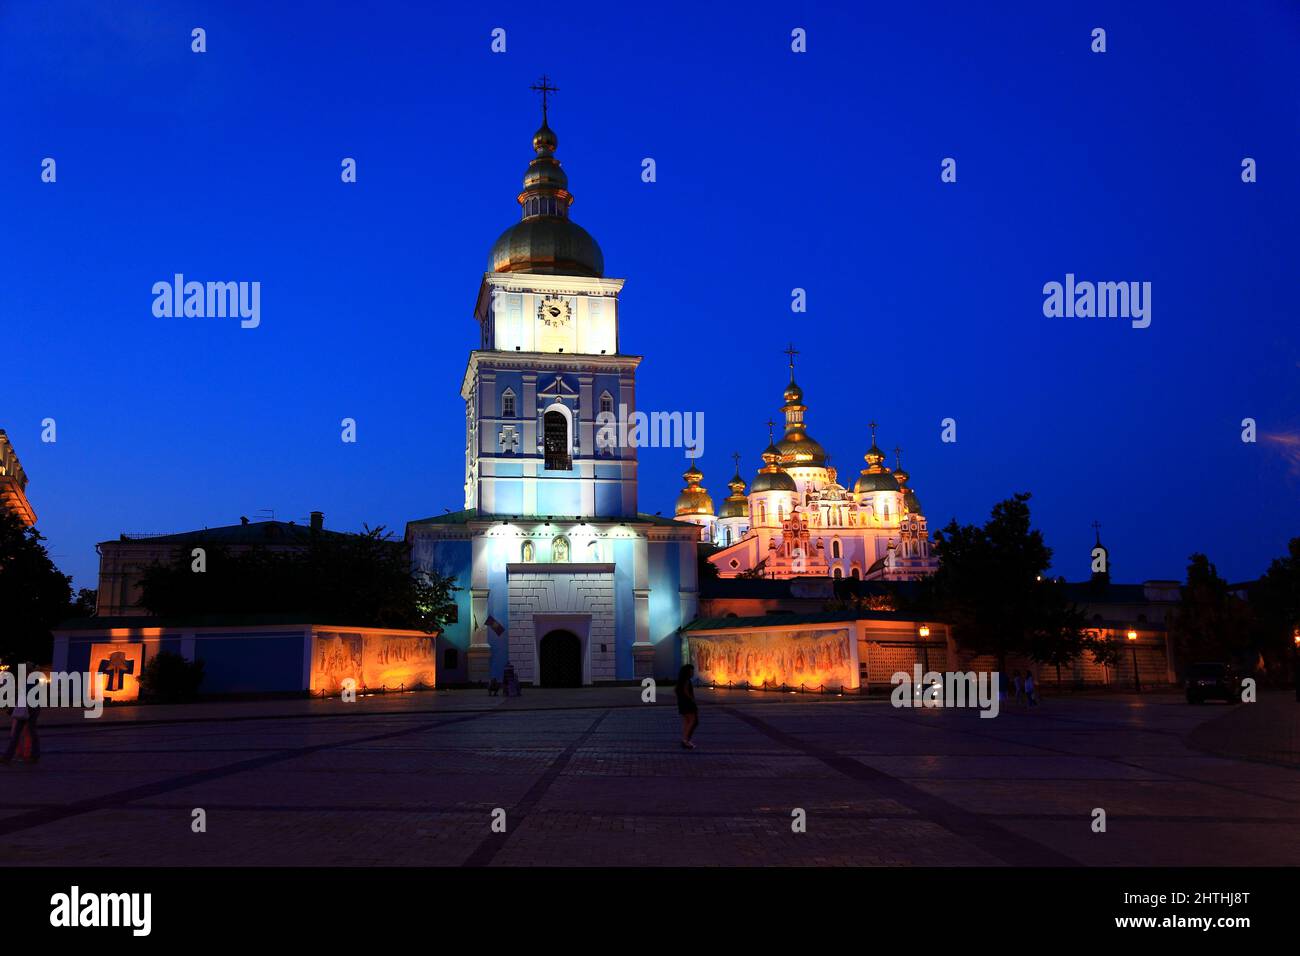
[548, 364]
[557, 575]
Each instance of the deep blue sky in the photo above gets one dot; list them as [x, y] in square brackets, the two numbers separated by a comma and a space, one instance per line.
[775, 170]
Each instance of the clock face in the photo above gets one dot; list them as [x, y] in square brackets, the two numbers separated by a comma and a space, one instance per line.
[554, 312]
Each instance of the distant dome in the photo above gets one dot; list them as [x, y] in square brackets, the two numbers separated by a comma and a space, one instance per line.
[734, 508]
[800, 450]
[694, 501]
[772, 481]
[875, 481]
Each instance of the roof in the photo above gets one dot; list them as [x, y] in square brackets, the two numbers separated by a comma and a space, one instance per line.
[255, 532]
[775, 588]
[208, 620]
[469, 514]
[786, 620]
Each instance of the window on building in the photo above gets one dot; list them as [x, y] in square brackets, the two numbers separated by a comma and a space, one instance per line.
[835, 549]
[726, 537]
[839, 573]
[607, 403]
[507, 404]
[556, 431]
[855, 574]
[762, 513]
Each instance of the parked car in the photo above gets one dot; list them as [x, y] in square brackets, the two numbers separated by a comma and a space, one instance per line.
[1212, 682]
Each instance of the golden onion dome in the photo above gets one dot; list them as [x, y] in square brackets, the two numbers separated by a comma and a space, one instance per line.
[777, 480]
[793, 394]
[694, 501]
[871, 481]
[545, 240]
[800, 450]
[910, 503]
[735, 507]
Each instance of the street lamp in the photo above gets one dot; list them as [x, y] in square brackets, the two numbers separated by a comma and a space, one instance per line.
[1137, 681]
[925, 650]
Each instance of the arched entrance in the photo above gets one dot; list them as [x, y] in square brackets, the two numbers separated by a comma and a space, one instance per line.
[560, 660]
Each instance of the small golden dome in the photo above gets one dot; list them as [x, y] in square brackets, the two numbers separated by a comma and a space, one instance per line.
[694, 501]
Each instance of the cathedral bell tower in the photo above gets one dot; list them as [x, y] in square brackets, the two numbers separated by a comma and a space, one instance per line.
[547, 387]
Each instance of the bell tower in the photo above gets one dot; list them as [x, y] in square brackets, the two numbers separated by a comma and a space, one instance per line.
[548, 372]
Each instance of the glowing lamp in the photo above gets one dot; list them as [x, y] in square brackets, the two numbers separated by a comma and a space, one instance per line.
[925, 631]
[1132, 635]
[1295, 636]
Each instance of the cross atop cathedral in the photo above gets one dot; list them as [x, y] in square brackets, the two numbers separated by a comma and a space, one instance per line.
[544, 87]
[792, 352]
[735, 456]
[770, 425]
[898, 455]
[872, 426]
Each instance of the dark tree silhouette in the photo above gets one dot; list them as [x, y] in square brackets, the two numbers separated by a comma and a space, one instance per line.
[34, 594]
[360, 579]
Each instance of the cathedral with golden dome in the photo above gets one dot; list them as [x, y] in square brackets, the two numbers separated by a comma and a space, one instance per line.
[797, 520]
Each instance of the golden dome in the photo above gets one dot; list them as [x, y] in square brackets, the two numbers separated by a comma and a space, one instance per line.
[545, 240]
[800, 450]
[693, 500]
[736, 505]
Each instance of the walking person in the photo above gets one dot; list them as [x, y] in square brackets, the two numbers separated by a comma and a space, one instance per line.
[686, 705]
[1030, 688]
[23, 722]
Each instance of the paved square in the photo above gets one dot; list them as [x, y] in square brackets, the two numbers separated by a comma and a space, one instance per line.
[594, 777]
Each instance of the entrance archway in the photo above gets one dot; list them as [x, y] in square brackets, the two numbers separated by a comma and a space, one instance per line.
[560, 660]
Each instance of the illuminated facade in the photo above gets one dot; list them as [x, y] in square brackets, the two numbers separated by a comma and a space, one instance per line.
[797, 520]
[13, 483]
[560, 576]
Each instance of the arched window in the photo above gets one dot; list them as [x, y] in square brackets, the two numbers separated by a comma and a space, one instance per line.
[726, 537]
[855, 574]
[527, 553]
[762, 513]
[607, 403]
[508, 404]
[839, 573]
[560, 550]
[556, 441]
[835, 549]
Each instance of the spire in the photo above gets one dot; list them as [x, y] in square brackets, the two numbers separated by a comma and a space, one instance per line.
[545, 240]
[901, 475]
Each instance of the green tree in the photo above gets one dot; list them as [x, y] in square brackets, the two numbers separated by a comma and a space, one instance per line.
[991, 588]
[1210, 623]
[34, 594]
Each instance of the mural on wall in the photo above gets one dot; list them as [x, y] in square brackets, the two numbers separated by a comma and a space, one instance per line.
[372, 660]
[812, 658]
[117, 667]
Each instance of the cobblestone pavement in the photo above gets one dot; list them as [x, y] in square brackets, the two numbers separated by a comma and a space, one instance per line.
[594, 777]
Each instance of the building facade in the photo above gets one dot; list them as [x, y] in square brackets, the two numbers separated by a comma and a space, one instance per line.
[797, 520]
[560, 576]
[13, 483]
